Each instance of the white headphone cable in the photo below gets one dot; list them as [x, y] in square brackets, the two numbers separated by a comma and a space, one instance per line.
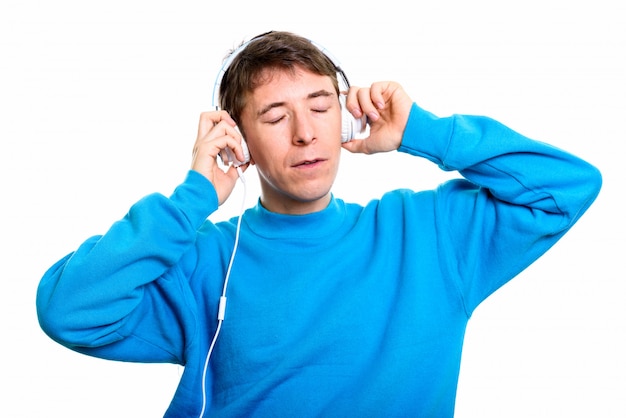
[222, 305]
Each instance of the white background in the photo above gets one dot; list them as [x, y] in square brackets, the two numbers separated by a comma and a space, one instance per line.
[99, 103]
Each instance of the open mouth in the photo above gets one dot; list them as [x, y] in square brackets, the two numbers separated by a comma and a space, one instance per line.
[308, 162]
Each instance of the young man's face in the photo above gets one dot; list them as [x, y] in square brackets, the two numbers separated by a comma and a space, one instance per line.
[292, 123]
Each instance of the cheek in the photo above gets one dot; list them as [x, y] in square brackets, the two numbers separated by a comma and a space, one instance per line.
[267, 157]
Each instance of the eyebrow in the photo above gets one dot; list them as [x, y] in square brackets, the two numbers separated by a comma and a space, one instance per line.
[318, 93]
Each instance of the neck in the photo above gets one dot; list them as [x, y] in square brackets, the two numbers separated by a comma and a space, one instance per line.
[289, 206]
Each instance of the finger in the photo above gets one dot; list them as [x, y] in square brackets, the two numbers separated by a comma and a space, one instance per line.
[352, 102]
[211, 128]
[366, 104]
[360, 146]
[209, 119]
[222, 140]
[234, 150]
[378, 94]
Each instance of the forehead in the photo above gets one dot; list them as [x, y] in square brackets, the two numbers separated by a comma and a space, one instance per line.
[282, 83]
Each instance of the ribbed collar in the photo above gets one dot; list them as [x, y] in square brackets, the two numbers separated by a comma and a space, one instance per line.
[310, 227]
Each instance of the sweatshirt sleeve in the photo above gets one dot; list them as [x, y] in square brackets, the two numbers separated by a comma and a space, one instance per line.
[518, 198]
[96, 295]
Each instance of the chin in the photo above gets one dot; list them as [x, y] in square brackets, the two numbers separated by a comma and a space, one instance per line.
[313, 195]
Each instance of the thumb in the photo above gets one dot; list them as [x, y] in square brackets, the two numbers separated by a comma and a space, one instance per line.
[356, 146]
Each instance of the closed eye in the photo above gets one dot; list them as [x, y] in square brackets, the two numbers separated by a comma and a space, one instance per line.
[275, 121]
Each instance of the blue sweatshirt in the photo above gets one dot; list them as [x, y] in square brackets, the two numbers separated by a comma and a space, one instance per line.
[350, 311]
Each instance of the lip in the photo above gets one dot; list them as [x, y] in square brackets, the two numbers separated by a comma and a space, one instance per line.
[309, 163]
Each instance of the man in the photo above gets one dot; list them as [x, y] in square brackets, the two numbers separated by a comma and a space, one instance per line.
[334, 309]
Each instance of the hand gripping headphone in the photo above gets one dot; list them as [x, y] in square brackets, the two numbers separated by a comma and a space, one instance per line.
[350, 126]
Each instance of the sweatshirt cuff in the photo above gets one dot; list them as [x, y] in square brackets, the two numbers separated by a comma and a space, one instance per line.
[196, 198]
[426, 135]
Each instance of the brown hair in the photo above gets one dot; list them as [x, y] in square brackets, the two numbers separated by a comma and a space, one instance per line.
[275, 50]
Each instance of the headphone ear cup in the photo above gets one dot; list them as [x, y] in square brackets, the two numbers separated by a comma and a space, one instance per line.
[346, 125]
[350, 126]
[246, 152]
[230, 155]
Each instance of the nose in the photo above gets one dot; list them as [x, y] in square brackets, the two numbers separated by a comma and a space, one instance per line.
[303, 129]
